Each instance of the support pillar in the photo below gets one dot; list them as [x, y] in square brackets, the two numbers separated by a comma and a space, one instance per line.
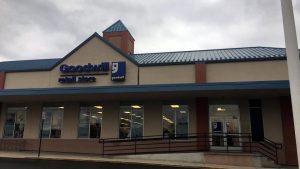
[293, 62]
[202, 122]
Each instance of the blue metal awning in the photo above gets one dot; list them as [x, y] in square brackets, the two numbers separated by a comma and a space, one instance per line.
[226, 86]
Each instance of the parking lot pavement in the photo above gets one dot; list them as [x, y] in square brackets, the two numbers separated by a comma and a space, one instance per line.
[8, 163]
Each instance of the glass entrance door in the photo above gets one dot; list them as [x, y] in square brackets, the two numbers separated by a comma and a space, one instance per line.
[225, 132]
[224, 127]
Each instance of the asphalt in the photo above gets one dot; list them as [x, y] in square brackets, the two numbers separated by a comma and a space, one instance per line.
[10, 163]
[48, 160]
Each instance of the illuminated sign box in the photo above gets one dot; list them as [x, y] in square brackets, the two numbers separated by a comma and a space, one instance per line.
[86, 73]
[118, 71]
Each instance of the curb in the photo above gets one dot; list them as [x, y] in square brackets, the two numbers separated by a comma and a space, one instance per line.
[115, 161]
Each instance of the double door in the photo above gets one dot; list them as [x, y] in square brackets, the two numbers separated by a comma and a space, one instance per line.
[225, 131]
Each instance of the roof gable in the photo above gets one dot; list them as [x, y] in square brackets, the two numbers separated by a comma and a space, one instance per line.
[95, 35]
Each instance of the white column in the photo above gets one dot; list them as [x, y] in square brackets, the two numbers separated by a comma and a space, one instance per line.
[293, 62]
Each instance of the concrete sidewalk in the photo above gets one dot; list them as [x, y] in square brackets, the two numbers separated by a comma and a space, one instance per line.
[112, 159]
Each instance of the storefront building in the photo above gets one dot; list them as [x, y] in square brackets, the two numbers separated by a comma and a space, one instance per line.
[102, 90]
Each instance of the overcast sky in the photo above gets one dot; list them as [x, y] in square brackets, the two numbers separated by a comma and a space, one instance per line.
[36, 29]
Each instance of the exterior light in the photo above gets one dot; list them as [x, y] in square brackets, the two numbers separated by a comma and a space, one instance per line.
[98, 107]
[175, 106]
[136, 106]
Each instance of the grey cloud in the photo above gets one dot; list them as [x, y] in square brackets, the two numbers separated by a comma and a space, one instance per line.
[34, 29]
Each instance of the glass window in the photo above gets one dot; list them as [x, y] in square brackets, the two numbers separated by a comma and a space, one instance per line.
[15, 121]
[90, 121]
[175, 119]
[131, 121]
[52, 125]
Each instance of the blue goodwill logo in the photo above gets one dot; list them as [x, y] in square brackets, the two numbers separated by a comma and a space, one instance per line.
[118, 71]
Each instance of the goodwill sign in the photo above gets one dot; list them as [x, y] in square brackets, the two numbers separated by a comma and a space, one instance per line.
[88, 73]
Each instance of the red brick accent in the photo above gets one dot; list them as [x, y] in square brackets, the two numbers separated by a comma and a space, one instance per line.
[202, 121]
[127, 41]
[2, 80]
[200, 73]
[289, 141]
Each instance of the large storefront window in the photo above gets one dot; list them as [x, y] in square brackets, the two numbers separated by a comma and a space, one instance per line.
[131, 121]
[175, 119]
[53, 123]
[90, 120]
[15, 121]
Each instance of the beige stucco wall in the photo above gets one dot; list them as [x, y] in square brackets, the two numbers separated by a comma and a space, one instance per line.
[40, 79]
[247, 71]
[95, 51]
[2, 119]
[272, 119]
[70, 121]
[167, 74]
[110, 120]
[244, 116]
[192, 117]
[152, 118]
[33, 119]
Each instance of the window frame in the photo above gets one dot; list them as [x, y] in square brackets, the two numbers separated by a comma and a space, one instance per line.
[15, 108]
[175, 119]
[131, 111]
[42, 121]
[89, 123]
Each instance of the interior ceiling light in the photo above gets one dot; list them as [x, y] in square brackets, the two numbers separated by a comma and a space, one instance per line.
[127, 112]
[221, 109]
[98, 107]
[175, 106]
[136, 106]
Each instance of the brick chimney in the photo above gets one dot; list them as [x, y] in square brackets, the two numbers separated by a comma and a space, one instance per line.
[119, 36]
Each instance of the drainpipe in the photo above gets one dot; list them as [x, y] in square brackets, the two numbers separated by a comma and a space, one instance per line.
[293, 62]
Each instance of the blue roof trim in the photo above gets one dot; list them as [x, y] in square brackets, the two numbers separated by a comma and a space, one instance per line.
[28, 65]
[258, 85]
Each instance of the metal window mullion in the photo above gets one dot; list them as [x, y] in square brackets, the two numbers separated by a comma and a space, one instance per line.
[90, 113]
[131, 123]
[51, 120]
[175, 116]
[13, 134]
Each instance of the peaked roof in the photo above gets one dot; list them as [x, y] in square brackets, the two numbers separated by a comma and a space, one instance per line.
[211, 56]
[28, 65]
[116, 27]
[164, 58]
